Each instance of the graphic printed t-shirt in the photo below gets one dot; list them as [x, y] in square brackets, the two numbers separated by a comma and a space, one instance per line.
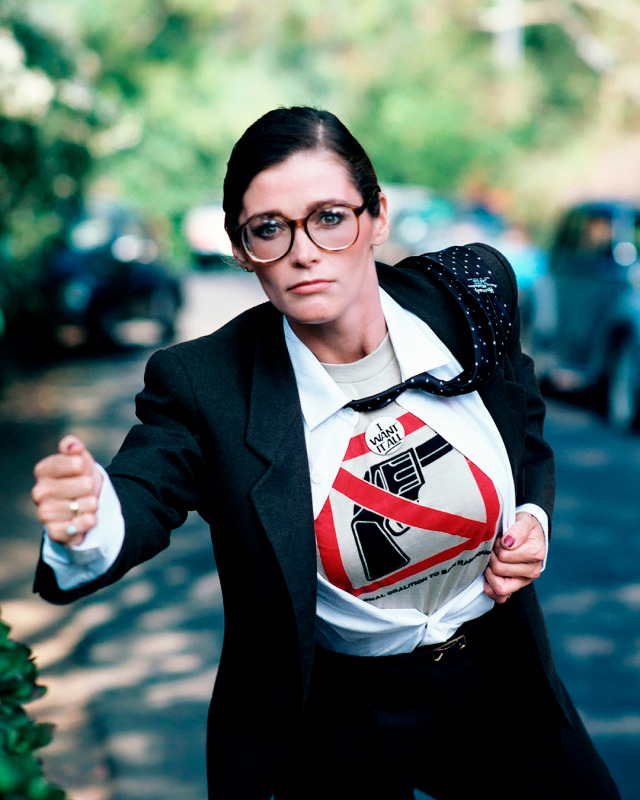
[409, 521]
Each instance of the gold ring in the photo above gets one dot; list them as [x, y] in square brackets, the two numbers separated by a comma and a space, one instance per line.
[74, 508]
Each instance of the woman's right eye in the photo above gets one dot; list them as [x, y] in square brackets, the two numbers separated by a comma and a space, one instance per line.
[267, 228]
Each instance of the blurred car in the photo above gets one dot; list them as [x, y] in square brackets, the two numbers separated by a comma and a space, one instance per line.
[586, 336]
[530, 264]
[105, 280]
[419, 219]
[206, 236]
[424, 221]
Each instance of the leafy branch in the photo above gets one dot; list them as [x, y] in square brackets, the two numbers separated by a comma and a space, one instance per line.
[21, 774]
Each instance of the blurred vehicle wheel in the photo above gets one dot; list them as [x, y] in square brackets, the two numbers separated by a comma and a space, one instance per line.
[623, 402]
[163, 307]
[102, 332]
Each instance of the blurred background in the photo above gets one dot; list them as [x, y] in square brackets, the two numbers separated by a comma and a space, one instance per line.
[514, 122]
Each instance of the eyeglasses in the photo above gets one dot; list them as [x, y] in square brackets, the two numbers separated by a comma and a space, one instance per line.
[269, 237]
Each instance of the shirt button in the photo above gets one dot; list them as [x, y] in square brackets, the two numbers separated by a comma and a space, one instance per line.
[316, 477]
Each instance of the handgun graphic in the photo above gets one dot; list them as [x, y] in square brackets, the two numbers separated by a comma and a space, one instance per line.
[375, 534]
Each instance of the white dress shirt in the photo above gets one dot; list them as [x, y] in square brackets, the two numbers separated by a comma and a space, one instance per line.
[344, 622]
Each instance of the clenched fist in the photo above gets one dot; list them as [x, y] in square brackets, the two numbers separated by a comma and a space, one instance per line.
[66, 492]
[516, 559]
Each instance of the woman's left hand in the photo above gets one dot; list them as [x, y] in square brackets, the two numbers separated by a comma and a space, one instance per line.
[516, 559]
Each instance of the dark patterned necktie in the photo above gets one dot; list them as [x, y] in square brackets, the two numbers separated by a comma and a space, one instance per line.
[470, 282]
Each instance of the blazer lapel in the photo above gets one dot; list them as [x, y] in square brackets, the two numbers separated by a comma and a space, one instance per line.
[413, 290]
[282, 497]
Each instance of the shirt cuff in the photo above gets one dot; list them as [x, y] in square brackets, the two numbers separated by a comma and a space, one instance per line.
[82, 563]
[543, 519]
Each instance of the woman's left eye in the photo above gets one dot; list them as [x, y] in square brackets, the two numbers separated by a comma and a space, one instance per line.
[331, 216]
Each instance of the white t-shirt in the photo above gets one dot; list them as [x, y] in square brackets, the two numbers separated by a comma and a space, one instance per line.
[409, 522]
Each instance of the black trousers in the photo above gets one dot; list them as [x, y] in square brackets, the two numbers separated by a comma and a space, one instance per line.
[482, 719]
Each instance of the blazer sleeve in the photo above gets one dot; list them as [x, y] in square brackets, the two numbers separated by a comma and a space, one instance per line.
[158, 474]
[535, 481]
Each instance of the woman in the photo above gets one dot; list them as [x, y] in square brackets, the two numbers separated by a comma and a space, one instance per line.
[382, 632]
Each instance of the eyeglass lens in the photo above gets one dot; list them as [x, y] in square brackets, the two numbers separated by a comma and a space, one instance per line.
[330, 228]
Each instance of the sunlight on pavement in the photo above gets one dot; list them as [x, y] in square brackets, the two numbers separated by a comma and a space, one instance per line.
[138, 593]
[584, 600]
[195, 687]
[77, 687]
[136, 748]
[578, 602]
[625, 725]
[207, 590]
[630, 596]
[588, 457]
[18, 559]
[66, 639]
[588, 646]
[30, 617]
[157, 646]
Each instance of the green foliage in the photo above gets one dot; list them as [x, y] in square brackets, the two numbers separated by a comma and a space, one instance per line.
[48, 114]
[21, 776]
[168, 87]
[421, 80]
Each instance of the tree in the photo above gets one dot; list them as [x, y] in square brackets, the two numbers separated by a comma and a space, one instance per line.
[417, 79]
[49, 112]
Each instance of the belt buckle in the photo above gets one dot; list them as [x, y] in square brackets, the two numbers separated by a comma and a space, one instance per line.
[459, 643]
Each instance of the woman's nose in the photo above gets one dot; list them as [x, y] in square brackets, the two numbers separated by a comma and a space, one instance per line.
[303, 250]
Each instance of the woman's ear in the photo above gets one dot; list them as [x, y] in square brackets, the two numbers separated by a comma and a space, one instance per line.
[241, 258]
[381, 225]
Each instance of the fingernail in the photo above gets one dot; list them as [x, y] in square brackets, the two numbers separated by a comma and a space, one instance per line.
[508, 540]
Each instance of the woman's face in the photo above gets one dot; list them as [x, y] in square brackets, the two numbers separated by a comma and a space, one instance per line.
[311, 286]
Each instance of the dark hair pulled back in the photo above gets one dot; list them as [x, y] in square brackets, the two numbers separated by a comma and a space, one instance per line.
[281, 133]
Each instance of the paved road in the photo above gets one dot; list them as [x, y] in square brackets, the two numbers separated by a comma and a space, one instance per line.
[130, 670]
[591, 590]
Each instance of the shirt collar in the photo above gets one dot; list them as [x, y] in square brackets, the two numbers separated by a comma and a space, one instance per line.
[321, 397]
[416, 346]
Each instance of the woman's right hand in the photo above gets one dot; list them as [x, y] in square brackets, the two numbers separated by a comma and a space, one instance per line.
[66, 492]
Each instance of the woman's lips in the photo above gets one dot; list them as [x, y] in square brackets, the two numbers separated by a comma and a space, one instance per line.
[309, 287]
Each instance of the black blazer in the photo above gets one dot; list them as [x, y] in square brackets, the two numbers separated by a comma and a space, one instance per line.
[222, 432]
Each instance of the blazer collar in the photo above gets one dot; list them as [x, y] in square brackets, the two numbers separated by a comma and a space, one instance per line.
[504, 399]
[412, 289]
